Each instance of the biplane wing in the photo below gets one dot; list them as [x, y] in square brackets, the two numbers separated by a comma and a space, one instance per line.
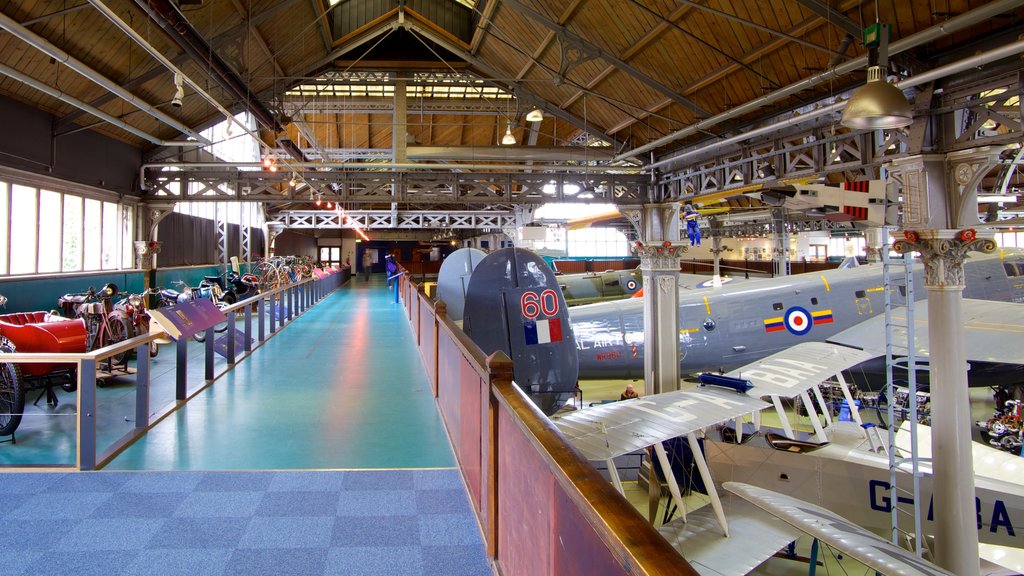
[838, 532]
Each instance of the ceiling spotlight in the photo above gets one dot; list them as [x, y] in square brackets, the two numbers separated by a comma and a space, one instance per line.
[508, 139]
[535, 115]
[179, 91]
[317, 200]
[330, 205]
[766, 171]
[291, 182]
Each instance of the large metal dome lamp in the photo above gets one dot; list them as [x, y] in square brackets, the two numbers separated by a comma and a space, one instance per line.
[878, 104]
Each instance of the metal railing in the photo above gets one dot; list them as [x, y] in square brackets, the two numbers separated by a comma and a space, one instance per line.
[260, 316]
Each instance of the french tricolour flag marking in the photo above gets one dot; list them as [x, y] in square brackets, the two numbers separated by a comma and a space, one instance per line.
[543, 331]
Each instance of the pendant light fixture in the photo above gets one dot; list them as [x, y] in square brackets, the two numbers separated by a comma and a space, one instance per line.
[508, 139]
[878, 104]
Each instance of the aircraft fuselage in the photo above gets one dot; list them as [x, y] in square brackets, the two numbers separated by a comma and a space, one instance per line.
[724, 329]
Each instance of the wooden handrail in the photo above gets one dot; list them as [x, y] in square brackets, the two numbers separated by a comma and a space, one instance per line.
[634, 542]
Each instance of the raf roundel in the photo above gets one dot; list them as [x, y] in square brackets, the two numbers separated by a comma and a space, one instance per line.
[798, 321]
[631, 285]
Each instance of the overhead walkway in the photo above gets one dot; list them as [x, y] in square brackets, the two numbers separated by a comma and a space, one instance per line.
[321, 453]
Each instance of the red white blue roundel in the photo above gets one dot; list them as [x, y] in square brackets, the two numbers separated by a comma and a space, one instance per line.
[798, 321]
[631, 285]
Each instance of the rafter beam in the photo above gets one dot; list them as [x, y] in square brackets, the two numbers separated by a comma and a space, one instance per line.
[321, 25]
[833, 16]
[802, 28]
[563, 18]
[624, 66]
[482, 26]
[520, 89]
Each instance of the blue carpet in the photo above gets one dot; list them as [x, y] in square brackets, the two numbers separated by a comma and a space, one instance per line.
[405, 522]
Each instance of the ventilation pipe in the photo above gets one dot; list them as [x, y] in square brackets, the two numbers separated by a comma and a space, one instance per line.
[12, 73]
[68, 60]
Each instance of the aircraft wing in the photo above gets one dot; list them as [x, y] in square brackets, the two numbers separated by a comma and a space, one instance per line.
[992, 332]
[754, 536]
[798, 368]
[836, 531]
[610, 430]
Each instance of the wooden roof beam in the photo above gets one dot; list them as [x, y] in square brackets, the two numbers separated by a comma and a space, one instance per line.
[487, 70]
[563, 18]
[640, 44]
[833, 16]
[803, 27]
[482, 26]
[624, 66]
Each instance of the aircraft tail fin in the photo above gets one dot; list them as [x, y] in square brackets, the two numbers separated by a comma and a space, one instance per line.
[514, 304]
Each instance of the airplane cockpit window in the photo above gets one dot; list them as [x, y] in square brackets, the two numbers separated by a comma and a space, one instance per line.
[860, 294]
[611, 281]
[777, 306]
[1014, 268]
[709, 324]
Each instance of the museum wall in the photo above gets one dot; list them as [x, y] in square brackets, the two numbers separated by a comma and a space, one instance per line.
[85, 157]
[291, 243]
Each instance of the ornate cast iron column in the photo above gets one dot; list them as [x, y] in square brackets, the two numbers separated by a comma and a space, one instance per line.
[943, 253]
[659, 263]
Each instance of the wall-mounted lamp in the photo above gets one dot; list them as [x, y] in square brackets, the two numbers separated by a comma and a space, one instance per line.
[878, 104]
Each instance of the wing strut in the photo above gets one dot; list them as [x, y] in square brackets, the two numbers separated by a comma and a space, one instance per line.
[670, 477]
[709, 483]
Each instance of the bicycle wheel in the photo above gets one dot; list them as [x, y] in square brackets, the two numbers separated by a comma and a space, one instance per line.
[267, 274]
[12, 396]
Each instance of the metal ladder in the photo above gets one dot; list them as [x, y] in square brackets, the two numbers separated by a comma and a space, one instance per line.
[906, 504]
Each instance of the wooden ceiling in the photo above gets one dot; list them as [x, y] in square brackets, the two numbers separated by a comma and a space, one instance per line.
[630, 71]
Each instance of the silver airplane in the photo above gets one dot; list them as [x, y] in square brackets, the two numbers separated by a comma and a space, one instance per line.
[737, 324]
[593, 287]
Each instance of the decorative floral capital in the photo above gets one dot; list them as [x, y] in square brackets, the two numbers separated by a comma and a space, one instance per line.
[662, 256]
[943, 253]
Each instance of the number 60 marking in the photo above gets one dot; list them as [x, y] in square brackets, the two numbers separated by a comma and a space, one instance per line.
[533, 305]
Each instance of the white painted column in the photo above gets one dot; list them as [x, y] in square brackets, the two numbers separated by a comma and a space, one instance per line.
[956, 534]
[659, 264]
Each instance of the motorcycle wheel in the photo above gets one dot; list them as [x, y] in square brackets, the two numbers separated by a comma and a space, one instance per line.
[12, 397]
[120, 328]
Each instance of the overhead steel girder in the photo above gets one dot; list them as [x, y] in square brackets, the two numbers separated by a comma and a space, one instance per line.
[986, 113]
[213, 185]
[401, 219]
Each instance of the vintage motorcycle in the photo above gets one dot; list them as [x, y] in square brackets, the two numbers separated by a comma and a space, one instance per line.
[136, 308]
[1004, 429]
[104, 325]
[237, 286]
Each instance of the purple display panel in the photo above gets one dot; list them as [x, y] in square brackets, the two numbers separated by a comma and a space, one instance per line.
[188, 318]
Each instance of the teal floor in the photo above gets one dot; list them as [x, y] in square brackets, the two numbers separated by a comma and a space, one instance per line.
[342, 387]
